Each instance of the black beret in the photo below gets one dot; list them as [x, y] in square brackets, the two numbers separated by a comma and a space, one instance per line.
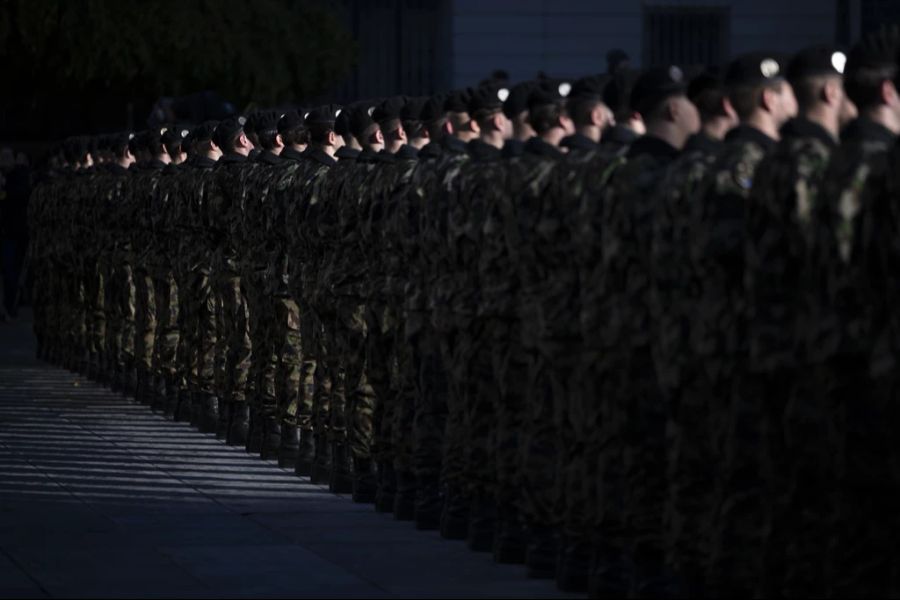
[458, 101]
[174, 134]
[412, 110]
[877, 50]
[227, 129]
[753, 69]
[433, 109]
[342, 123]
[389, 109]
[119, 141]
[323, 115]
[706, 81]
[360, 118]
[266, 121]
[136, 142]
[656, 85]
[204, 131]
[488, 98]
[292, 120]
[549, 91]
[617, 93]
[517, 102]
[252, 120]
[816, 61]
[589, 87]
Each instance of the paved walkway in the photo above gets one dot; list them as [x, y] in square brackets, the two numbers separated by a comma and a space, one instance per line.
[100, 497]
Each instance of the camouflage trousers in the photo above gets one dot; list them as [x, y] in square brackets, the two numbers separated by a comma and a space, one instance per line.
[167, 334]
[202, 325]
[233, 346]
[261, 325]
[95, 309]
[473, 362]
[402, 442]
[145, 319]
[350, 332]
[319, 322]
[381, 374]
[294, 373]
[125, 299]
[459, 388]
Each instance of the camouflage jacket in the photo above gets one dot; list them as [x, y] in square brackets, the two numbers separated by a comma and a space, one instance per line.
[224, 202]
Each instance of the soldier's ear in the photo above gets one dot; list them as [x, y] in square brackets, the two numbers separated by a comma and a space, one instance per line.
[767, 99]
[447, 127]
[889, 94]
[831, 91]
[279, 141]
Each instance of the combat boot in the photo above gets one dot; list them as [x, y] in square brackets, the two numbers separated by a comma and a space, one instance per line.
[143, 382]
[455, 516]
[429, 505]
[387, 485]
[541, 553]
[209, 413]
[271, 437]
[182, 413]
[289, 449]
[115, 381]
[321, 470]
[224, 420]
[573, 566]
[340, 480]
[158, 394]
[196, 410]
[171, 404]
[129, 387]
[93, 367]
[306, 453]
[239, 424]
[509, 539]
[405, 496]
[256, 432]
[482, 520]
[363, 481]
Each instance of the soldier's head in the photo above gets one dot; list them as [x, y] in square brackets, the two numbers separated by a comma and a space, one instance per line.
[231, 138]
[251, 127]
[817, 77]
[486, 108]
[292, 129]
[616, 95]
[709, 95]
[515, 107]
[589, 112]
[99, 149]
[547, 112]
[411, 118]
[457, 108]
[759, 92]
[435, 119]
[660, 96]
[363, 127]
[322, 135]
[204, 145]
[173, 140]
[388, 115]
[118, 144]
[872, 77]
[267, 131]
[616, 60]
[77, 152]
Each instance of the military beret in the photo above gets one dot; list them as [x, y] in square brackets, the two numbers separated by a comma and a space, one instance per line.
[754, 69]
[290, 121]
[517, 101]
[487, 98]
[548, 92]
[342, 123]
[251, 121]
[816, 61]
[204, 131]
[359, 117]
[174, 134]
[389, 109]
[458, 101]
[617, 92]
[323, 115]
[266, 121]
[654, 86]
[227, 129]
[412, 109]
[589, 87]
[876, 50]
[433, 109]
[704, 82]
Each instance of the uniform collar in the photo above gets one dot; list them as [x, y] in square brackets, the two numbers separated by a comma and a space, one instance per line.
[203, 162]
[291, 154]
[346, 153]
[802, 127]
[431, 150]
[267, 158]
[320, 156]
[748, 133]
[481, 151]
[578, 141]
[232, 158]
[653, 146]
[513, 148]
[453, 144]
[406, 152]
[539, 147]
[865, 129]
[700, 142]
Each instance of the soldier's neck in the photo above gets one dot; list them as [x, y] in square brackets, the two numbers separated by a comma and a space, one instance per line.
[592, 132]
[763, 121]
[717, 128]
[828, 119]
[493, 138]
[884, 116]
[668, 132]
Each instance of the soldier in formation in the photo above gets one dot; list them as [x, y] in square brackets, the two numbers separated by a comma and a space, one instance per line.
[635, 331]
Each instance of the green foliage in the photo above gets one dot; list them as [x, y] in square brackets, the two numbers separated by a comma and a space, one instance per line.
[267, 51]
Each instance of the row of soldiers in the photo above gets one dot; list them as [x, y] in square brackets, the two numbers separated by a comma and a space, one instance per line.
[638, 333]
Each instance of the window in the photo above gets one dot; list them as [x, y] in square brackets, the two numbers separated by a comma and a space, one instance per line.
[685, 35]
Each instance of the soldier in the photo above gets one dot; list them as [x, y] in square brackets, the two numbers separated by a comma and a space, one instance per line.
[223, 206]
[627, 125]
[683, 385]
[515, 107]
[785, 192]
[850, 346]
[764, 101]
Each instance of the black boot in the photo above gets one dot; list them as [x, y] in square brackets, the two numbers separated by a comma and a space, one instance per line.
[387, 486]
[172, 390]
[209, 413]
[541, 553]
[256, 433]
[482, 520]
[158, 394]
[129, 381]
[271, 437]
[182, 413]
[143, 382]
[224, 419]
[405, 496]
[363, 481]
[115, 382]
[573, 566]
[341, 477]
[306, 453]
[510, 539]
[239, 425]
[455, 516]
[321, 468]
[289, 449]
